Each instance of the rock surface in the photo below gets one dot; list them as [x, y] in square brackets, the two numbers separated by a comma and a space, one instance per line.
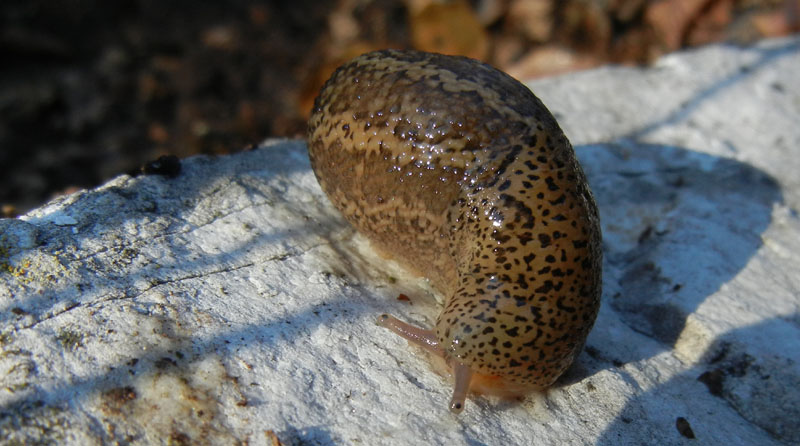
[232, 305]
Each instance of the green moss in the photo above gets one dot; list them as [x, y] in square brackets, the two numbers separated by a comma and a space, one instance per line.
[19, 271]
[70, 339]
[129, 253]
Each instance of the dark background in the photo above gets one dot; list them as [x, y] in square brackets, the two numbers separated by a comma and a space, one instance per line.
[90, 89]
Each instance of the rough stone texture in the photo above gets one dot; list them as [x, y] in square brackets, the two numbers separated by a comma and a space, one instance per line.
[233, 302]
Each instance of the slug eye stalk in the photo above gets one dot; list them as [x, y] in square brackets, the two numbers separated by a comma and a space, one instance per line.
[427, 340]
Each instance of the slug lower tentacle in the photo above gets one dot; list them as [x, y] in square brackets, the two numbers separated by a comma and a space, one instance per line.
[427, 339]
[462, 174]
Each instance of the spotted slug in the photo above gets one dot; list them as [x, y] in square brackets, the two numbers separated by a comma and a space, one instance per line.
[459, 172]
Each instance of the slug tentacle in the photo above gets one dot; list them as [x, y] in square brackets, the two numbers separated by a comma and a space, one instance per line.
[463, 376]
[462, 174]
[427, 340]
[419, 336]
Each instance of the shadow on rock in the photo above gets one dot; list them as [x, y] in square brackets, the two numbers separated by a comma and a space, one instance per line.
[677, 225]
[759, 388]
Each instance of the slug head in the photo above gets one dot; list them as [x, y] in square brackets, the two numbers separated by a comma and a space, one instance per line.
[466, 378]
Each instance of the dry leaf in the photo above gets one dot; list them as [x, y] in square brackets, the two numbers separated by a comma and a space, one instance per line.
[448, 28]
[533, 18]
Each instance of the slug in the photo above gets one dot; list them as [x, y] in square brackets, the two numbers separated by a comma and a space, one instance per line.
[459, 172]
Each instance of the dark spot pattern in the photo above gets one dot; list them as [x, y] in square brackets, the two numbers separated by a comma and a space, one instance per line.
[462, 174]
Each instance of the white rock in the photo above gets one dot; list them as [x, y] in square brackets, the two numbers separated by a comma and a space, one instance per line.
[233, 300]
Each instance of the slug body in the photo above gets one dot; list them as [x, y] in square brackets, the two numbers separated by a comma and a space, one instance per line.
[459, 172]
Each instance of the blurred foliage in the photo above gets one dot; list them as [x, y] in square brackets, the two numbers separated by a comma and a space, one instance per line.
[91, 89]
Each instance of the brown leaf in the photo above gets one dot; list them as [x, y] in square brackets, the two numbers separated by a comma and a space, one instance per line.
[532, 18]
[448, 28]
[550, 60]
[671, 19]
